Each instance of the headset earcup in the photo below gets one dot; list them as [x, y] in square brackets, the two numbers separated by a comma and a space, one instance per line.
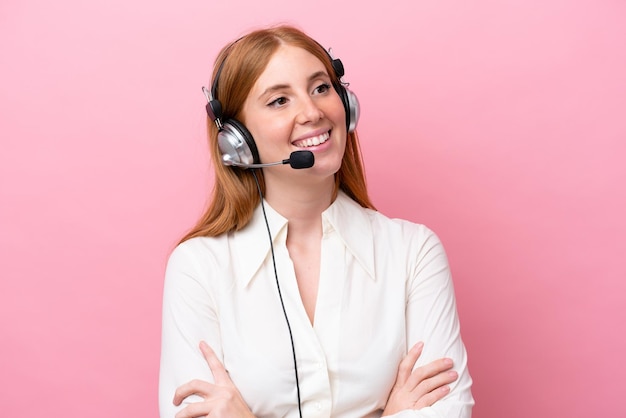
[236, 143]
[351, 106]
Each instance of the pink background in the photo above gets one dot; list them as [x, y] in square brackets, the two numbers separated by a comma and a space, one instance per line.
[500, 124]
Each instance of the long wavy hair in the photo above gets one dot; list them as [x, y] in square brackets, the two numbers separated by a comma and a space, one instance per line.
[235, 195]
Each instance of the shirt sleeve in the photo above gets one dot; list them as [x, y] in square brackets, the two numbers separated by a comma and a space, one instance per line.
[431, 317]
[189, 316]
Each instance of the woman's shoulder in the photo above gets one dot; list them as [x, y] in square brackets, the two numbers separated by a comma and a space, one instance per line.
[384, 228]
[395, 225]
[199, 251]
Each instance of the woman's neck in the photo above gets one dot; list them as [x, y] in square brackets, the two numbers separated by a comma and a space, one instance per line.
[301, 204]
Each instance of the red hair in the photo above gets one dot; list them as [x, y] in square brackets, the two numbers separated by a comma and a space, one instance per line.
[235, 196]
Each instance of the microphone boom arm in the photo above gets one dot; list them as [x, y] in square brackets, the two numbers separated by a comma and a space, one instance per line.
[297, 160]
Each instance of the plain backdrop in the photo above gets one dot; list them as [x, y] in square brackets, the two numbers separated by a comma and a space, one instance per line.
[499, 124]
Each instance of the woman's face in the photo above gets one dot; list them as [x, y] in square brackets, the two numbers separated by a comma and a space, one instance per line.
[292, 107]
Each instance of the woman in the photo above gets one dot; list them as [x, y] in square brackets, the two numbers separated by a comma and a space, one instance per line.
[305, 301]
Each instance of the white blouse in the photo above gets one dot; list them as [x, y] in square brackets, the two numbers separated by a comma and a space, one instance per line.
[384, 285]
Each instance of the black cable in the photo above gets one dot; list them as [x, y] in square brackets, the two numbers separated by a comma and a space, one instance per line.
[280, 295]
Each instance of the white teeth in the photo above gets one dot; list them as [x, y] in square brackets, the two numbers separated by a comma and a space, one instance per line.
[316, 140]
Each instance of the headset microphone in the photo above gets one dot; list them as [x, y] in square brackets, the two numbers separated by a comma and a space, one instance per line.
[297, 160]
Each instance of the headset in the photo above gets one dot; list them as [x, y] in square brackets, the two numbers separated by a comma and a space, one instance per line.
[235, 141]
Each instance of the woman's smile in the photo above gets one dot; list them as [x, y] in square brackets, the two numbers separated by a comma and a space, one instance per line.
[312, 141]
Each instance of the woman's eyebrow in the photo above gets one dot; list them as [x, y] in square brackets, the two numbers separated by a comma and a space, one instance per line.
[318, 74]
[276, 87]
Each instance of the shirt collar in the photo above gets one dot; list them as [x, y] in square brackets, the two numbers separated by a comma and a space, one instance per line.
[251, 245]
[353, 225]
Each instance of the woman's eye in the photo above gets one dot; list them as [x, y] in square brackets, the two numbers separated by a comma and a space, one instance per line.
[277, 102]
[322, 88]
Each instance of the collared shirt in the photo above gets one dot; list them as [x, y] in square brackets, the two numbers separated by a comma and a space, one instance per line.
[384, 285]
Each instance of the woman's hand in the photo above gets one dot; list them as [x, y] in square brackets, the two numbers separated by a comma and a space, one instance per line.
[221, 399]
[416, 389]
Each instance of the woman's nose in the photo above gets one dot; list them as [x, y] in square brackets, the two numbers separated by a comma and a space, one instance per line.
[309, 111]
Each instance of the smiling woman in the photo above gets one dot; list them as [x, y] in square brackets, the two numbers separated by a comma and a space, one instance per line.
[293, 296]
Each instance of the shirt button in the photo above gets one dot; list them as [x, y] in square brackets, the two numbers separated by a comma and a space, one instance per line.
[318, 405]
[319, 365]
